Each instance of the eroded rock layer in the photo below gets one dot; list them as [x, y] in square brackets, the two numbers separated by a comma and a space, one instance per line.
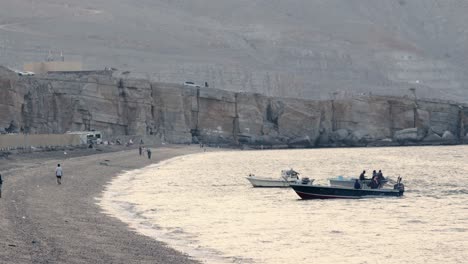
[118, 104]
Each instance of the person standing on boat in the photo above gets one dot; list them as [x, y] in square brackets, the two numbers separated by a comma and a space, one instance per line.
[374, 184]
[380, 175]
[374, 174]
[357, 185]
[380, 178]
[362, 177]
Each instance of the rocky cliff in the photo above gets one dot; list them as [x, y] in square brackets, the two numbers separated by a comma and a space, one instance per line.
[119, 104]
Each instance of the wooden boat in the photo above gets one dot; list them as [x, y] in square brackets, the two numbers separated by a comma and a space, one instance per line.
[330, 192]
[287, 177]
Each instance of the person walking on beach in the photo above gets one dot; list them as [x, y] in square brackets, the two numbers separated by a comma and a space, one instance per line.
[140, 149]
[1, 182]
[149, 153]
[59, 174]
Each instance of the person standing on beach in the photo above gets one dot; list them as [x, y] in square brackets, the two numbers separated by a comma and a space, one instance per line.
[149, 153]
[59, 174]
[1, 182]
[140, 149]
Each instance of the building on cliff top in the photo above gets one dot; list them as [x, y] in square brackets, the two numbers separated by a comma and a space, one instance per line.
[53, 66]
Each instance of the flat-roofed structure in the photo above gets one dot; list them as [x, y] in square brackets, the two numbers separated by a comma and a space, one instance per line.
[53, 66]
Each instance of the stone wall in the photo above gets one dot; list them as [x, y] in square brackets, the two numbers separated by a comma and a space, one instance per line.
[13, 141]
[120, 104]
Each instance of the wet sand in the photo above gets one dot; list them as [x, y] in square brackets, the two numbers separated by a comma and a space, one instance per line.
[41, 222]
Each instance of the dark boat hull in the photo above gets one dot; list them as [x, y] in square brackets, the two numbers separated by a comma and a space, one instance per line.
[325, 192]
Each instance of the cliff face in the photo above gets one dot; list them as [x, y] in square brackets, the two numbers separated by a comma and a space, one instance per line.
[118, 104]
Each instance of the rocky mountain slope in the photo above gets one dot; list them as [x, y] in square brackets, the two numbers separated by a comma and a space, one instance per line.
[299, 48]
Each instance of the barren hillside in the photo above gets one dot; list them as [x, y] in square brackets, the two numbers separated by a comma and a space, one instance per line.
[297, 48]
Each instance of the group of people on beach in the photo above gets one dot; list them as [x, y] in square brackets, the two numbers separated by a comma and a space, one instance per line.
[376, 181]
[148, 151]
[58, 176]
[59, 169]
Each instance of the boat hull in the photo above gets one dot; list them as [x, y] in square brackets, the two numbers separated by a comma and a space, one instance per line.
[326, 192]
[265, 183]
[268, 183]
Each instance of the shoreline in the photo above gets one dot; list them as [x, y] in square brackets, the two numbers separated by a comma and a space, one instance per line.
[46, 223]
[114, 203]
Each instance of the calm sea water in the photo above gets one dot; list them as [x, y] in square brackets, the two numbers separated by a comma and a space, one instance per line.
[202, 204]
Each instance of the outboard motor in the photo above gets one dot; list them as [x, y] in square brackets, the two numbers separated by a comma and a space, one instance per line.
[305, 180]
[399, 186]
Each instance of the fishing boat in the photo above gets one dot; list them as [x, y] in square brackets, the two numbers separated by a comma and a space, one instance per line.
[331, 192]
[287, 177]
[348, 182]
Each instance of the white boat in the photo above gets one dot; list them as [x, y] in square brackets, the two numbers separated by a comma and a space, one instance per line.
[348, 182]
[287, 177]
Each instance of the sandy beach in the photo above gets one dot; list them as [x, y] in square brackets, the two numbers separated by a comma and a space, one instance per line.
[42, 222]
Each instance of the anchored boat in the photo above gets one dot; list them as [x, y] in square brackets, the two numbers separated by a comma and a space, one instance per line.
[287, 177]
[330, 192]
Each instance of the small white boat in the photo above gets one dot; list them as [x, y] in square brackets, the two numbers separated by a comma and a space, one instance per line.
[348, 182]
[287, 177]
